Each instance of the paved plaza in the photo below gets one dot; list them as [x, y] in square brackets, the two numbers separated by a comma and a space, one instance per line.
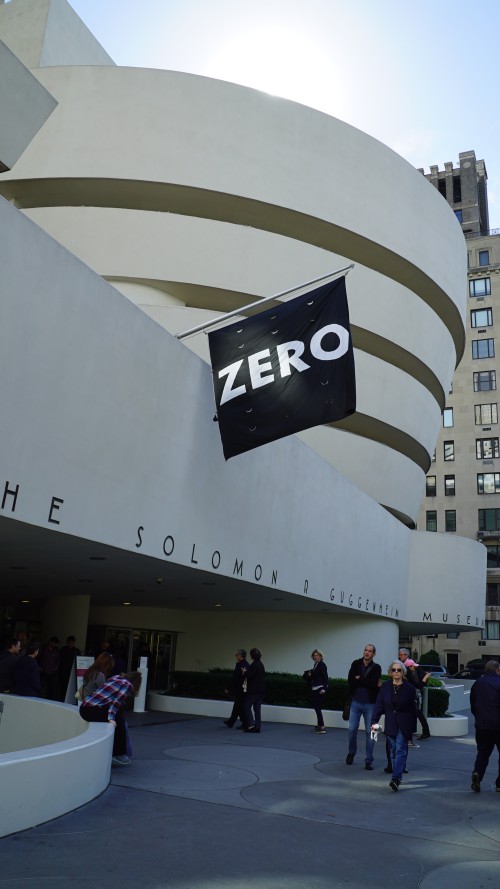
[205, 807]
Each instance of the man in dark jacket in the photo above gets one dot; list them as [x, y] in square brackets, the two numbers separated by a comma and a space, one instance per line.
[485, 707]
[239, 695]
[27, 673]
[8, 658]
[363, 679]
[255, 677]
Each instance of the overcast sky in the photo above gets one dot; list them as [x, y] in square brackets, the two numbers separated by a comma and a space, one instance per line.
[421, 77]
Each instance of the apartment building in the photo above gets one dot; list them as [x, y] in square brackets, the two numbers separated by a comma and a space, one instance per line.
[462, 493]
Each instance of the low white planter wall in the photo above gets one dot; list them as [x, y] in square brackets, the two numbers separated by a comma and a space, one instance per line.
[459, 696]
[452, 727]
[41, 782]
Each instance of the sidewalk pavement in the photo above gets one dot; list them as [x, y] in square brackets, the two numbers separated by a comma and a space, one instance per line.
[207, 807]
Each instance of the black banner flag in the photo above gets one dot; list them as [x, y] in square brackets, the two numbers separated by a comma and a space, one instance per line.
[286, 369]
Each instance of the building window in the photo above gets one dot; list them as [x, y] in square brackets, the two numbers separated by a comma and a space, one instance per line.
[485, 414]
[492, 594]
[448, 417]
[483, 348]
[458, 214]
[430, 486]
[484, 380]
[488, 519]
[431, 520]
[449, 450]
[449, 486]
[450, 519]
[487, 448]
[488, 483]
[484, 257]
[491, 630]
[493, 561]
[481, 318]
[479, 287]
[433, 458]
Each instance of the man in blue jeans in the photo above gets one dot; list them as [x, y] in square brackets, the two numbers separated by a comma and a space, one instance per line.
[364, 682]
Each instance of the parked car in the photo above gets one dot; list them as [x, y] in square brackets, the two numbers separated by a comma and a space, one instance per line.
[436, 670]
[473, 672]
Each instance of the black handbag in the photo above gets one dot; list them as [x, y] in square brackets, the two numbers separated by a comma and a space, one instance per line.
[347, 709]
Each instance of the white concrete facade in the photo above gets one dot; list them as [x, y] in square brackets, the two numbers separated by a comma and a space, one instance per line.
[192, 197]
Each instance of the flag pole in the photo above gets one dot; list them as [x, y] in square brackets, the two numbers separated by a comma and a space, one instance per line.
[259, 302]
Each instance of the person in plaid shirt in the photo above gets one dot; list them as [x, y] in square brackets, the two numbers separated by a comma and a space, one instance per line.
[106, 704]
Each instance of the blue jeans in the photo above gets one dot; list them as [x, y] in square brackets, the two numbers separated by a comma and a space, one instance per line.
[399, 752]
[356, 712]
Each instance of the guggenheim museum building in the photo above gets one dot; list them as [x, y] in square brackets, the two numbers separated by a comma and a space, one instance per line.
[134, 205]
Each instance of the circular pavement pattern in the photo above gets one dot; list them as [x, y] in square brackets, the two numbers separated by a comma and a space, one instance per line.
[468, 875]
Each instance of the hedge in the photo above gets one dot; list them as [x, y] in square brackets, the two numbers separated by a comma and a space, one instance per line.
[282, 689]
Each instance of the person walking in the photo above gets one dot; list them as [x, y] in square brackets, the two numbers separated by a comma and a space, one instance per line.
[398, 702]
[318, 680]
[485, 707]
[364, 680]
[255, 677]
[419, 678]
[238, 710]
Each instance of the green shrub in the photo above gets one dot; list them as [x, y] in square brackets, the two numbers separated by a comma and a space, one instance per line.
[430, 657]
[283, 689]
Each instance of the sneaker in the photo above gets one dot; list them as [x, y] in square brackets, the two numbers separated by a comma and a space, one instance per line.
[394, 784]
[423, 737]
[368, 767]
[412, 744]
[388, 770]
[476, 782]
[228, 723]
[349, 759]
[319, 730]
[121, 760]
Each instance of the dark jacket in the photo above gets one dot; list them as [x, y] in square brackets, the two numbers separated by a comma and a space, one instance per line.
[400, 709]
[319, 676]
[416, 677]
[256, 678]
[368, 681]
[239, 676]
[7, 664]
[485, 701]
[27, 677]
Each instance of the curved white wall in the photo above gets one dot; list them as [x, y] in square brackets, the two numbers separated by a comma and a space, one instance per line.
[283, 162]
[220, 155]
[200, 196]
[67, 764]
[125, 411]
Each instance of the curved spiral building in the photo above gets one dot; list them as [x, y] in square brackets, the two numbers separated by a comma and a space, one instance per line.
[145, 202]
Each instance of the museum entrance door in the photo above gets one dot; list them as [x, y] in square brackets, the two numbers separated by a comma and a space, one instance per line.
[130, 645]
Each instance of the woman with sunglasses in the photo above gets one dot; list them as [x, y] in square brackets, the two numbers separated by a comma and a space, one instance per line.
[397, 701]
